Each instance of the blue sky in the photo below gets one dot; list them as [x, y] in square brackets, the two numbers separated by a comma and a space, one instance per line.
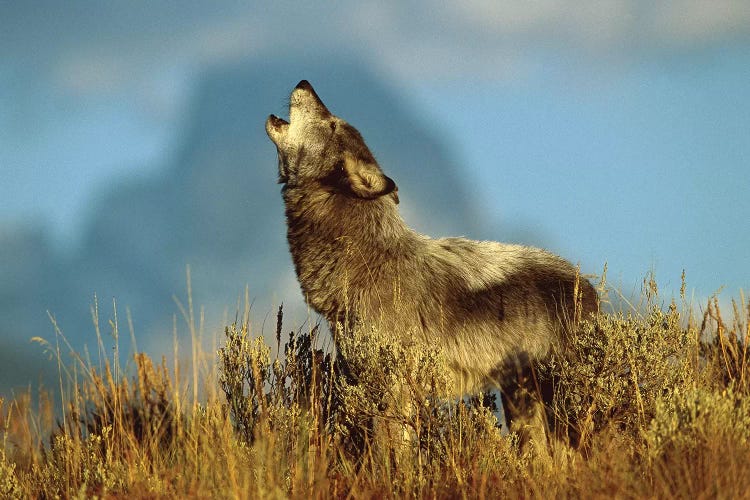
[644, 170]
[615, 131]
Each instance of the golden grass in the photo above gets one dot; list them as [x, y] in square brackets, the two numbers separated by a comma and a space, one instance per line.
[655, 398]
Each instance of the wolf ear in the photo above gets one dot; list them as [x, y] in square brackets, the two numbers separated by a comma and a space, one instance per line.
[366, 180]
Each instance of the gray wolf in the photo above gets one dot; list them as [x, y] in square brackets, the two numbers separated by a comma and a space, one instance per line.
[494, 309]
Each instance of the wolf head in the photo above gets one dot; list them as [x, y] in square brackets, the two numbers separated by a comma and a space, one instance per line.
[320, 151]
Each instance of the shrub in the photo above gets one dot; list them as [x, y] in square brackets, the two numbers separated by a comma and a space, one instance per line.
[657, 400]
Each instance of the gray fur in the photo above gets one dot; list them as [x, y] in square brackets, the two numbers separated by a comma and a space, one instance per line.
[493, 308]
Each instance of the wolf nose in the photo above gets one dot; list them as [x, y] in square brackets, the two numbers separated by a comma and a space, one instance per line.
[303, 85]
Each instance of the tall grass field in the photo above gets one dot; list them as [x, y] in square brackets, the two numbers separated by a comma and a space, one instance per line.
[651, 401]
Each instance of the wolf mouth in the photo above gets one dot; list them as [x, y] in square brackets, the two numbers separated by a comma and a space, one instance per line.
[277, 122]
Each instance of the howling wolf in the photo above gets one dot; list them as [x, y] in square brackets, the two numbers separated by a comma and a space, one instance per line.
[493, 309]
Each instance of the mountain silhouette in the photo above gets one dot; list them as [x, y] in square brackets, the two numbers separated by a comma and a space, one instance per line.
[215, 207]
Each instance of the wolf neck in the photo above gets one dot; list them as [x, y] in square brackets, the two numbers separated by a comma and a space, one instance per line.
[342, 247]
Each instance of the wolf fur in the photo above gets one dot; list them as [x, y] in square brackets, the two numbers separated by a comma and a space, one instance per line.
[493, 309]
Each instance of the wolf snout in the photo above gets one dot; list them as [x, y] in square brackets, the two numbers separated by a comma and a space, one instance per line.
[304, 85]
[304, 99]
[276, 122]
[276, 128]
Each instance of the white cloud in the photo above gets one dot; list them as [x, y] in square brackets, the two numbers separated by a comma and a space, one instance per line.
[692, 22]
[101, 67]
[91, 72]
[411, 39]
[133, 50]
[508, 40]
[591, 22]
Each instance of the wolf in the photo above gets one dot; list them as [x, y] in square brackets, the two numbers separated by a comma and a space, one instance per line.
[494, 310]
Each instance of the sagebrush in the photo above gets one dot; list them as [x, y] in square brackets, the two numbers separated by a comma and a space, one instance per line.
[651, 402]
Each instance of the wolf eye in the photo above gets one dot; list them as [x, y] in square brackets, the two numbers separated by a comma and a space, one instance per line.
[333, 126]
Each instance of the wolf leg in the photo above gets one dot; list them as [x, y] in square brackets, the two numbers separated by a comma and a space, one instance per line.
[526, 414]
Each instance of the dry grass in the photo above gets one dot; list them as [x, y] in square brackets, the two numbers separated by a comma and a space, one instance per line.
[655, 400]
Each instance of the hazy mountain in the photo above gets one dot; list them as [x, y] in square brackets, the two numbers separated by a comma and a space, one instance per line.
[217, 207]
[31, 278]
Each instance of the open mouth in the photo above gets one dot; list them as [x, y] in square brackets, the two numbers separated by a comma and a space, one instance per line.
[277, 122]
